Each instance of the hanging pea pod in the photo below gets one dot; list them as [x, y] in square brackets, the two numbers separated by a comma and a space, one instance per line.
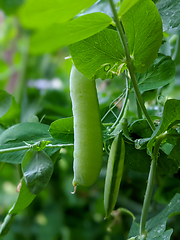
[114, 173]
[88, 144]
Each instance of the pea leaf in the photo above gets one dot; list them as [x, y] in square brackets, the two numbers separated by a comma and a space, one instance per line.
[98, 56]
[172, 209]
[25, 197]
[142, 24]
[169, 11]
[102, 55]
[40, 14]
[139, 161]
[125, 6]
[134, 231]
[161, 72]
[140, 128]
[37, 168]
[156, 225]
[175, 152]
[5, 102]
[171, 114]
[62, 130]
[18, 134]
[157, 232]
[59, 35]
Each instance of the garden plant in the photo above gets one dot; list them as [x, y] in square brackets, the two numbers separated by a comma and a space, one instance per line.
[114, 122]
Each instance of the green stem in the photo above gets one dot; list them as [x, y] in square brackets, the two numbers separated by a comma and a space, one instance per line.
[111, 108]
[151, 180]
[8, 150]
[130, 65]
[139, 98]
[139, 112]
[147, 198]
[124, 104]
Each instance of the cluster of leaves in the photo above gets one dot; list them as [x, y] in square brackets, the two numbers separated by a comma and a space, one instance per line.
[94, 45]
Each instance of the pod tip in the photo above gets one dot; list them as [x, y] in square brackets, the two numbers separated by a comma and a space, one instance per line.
[75, 187]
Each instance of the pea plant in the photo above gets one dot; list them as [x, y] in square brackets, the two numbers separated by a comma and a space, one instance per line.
[132, 41]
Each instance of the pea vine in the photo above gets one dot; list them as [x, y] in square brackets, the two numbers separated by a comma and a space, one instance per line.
[134, 44]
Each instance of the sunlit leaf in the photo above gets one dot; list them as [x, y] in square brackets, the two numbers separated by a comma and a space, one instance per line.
[40, 14]
[59, 35]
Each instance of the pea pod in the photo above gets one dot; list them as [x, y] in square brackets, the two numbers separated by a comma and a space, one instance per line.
[87, 129]
[114, 173]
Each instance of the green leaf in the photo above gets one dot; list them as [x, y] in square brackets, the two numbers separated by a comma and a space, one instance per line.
[102, 55]
[161, 72]
[59, 35]
[165, 236]
[40, 14]
[5, 102]
[156, 225]
[175, 152]
[125, 6]
[20, 134]
[140, 128]
[171, 114]
[169, 11]
[172, 209]
[134, 231]
[63, 130]
[157, 233]
[25, 197]
[139, 161]
[99, 56]
[143, 28]
[37, 168]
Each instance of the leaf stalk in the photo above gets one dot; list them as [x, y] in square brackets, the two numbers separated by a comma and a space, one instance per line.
[151, 180]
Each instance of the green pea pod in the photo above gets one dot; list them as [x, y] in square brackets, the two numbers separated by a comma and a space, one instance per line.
[114, 173]
[88, 144]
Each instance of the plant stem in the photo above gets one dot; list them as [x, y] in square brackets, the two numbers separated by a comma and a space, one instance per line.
[147, 198]
[8, 150]
[139, 98]
[124, 104]
[130, 65]
[139, 112]
[151, 180]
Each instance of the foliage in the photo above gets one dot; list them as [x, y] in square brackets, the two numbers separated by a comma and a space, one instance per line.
[131, 49]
